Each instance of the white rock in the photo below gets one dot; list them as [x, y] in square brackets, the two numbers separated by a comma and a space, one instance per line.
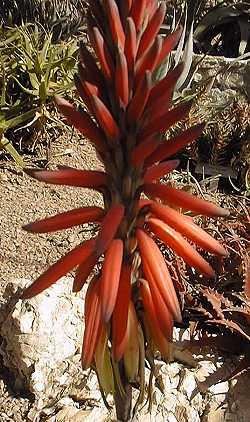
[188, 383]
[220, 390]
[42, 338]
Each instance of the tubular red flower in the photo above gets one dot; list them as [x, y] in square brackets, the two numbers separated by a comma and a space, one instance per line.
[59, 269]
[184, 200]
[70, 177]
[120, 313]
[115, 22]
[66, 220]
[130, 48]
[159, 170]
[156, 272]
[173, 145]
[137, 13]
[152, 29]
[121, 78]
[176, 242]
[187, 228]
[111, 271]
[156, 123]
[109, 227]
[92, 323]
[82, 122]
[148, 60]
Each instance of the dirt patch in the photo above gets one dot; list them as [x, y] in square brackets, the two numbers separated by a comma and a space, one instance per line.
[25, 255]
[24, 200]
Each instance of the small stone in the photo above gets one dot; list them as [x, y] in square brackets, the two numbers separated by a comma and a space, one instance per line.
[188, 383]
[220, 390]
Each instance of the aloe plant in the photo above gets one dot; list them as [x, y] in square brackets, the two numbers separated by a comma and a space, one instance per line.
[32, 71]
[131, 303]
[47, 69]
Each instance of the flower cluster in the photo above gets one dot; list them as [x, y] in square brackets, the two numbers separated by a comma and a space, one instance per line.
[132, 304]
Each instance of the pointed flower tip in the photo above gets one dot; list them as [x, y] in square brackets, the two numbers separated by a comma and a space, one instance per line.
[221, 212]
[174, 163]
[28, 227]
[225, 212]
[210, 273]
[59, 100]
[26, 294]
[31, 172]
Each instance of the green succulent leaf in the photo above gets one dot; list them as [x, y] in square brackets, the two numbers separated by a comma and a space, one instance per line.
[7, 145]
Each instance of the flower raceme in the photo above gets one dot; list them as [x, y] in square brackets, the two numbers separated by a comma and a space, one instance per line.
[131, 304]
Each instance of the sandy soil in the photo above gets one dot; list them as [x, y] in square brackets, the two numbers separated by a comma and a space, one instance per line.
[26, 255]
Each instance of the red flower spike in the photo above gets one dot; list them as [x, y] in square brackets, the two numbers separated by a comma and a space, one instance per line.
[172, 145]
[139, 100]
[152, 29]
[130, 48]
[66, 220]
[82, 122]
[143, 150]
[159, 170]
[105, 119]
[148, 60]
[59, 269]
[184, 200]
[120, 313]
[128, 110]
[121, 78]
[187, 228]
[176, 242]
[159, 338]
[71, 177]
[109, 227]
[168, 45]
[102, 53]
[92, 323]
[115, 23]
[138, 13]
[111, 271]
[158, 273]
[164, 121]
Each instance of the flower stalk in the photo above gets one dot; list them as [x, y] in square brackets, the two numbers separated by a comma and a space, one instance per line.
[132, 303]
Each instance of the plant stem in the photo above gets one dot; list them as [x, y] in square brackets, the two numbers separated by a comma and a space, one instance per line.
[123, 403]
